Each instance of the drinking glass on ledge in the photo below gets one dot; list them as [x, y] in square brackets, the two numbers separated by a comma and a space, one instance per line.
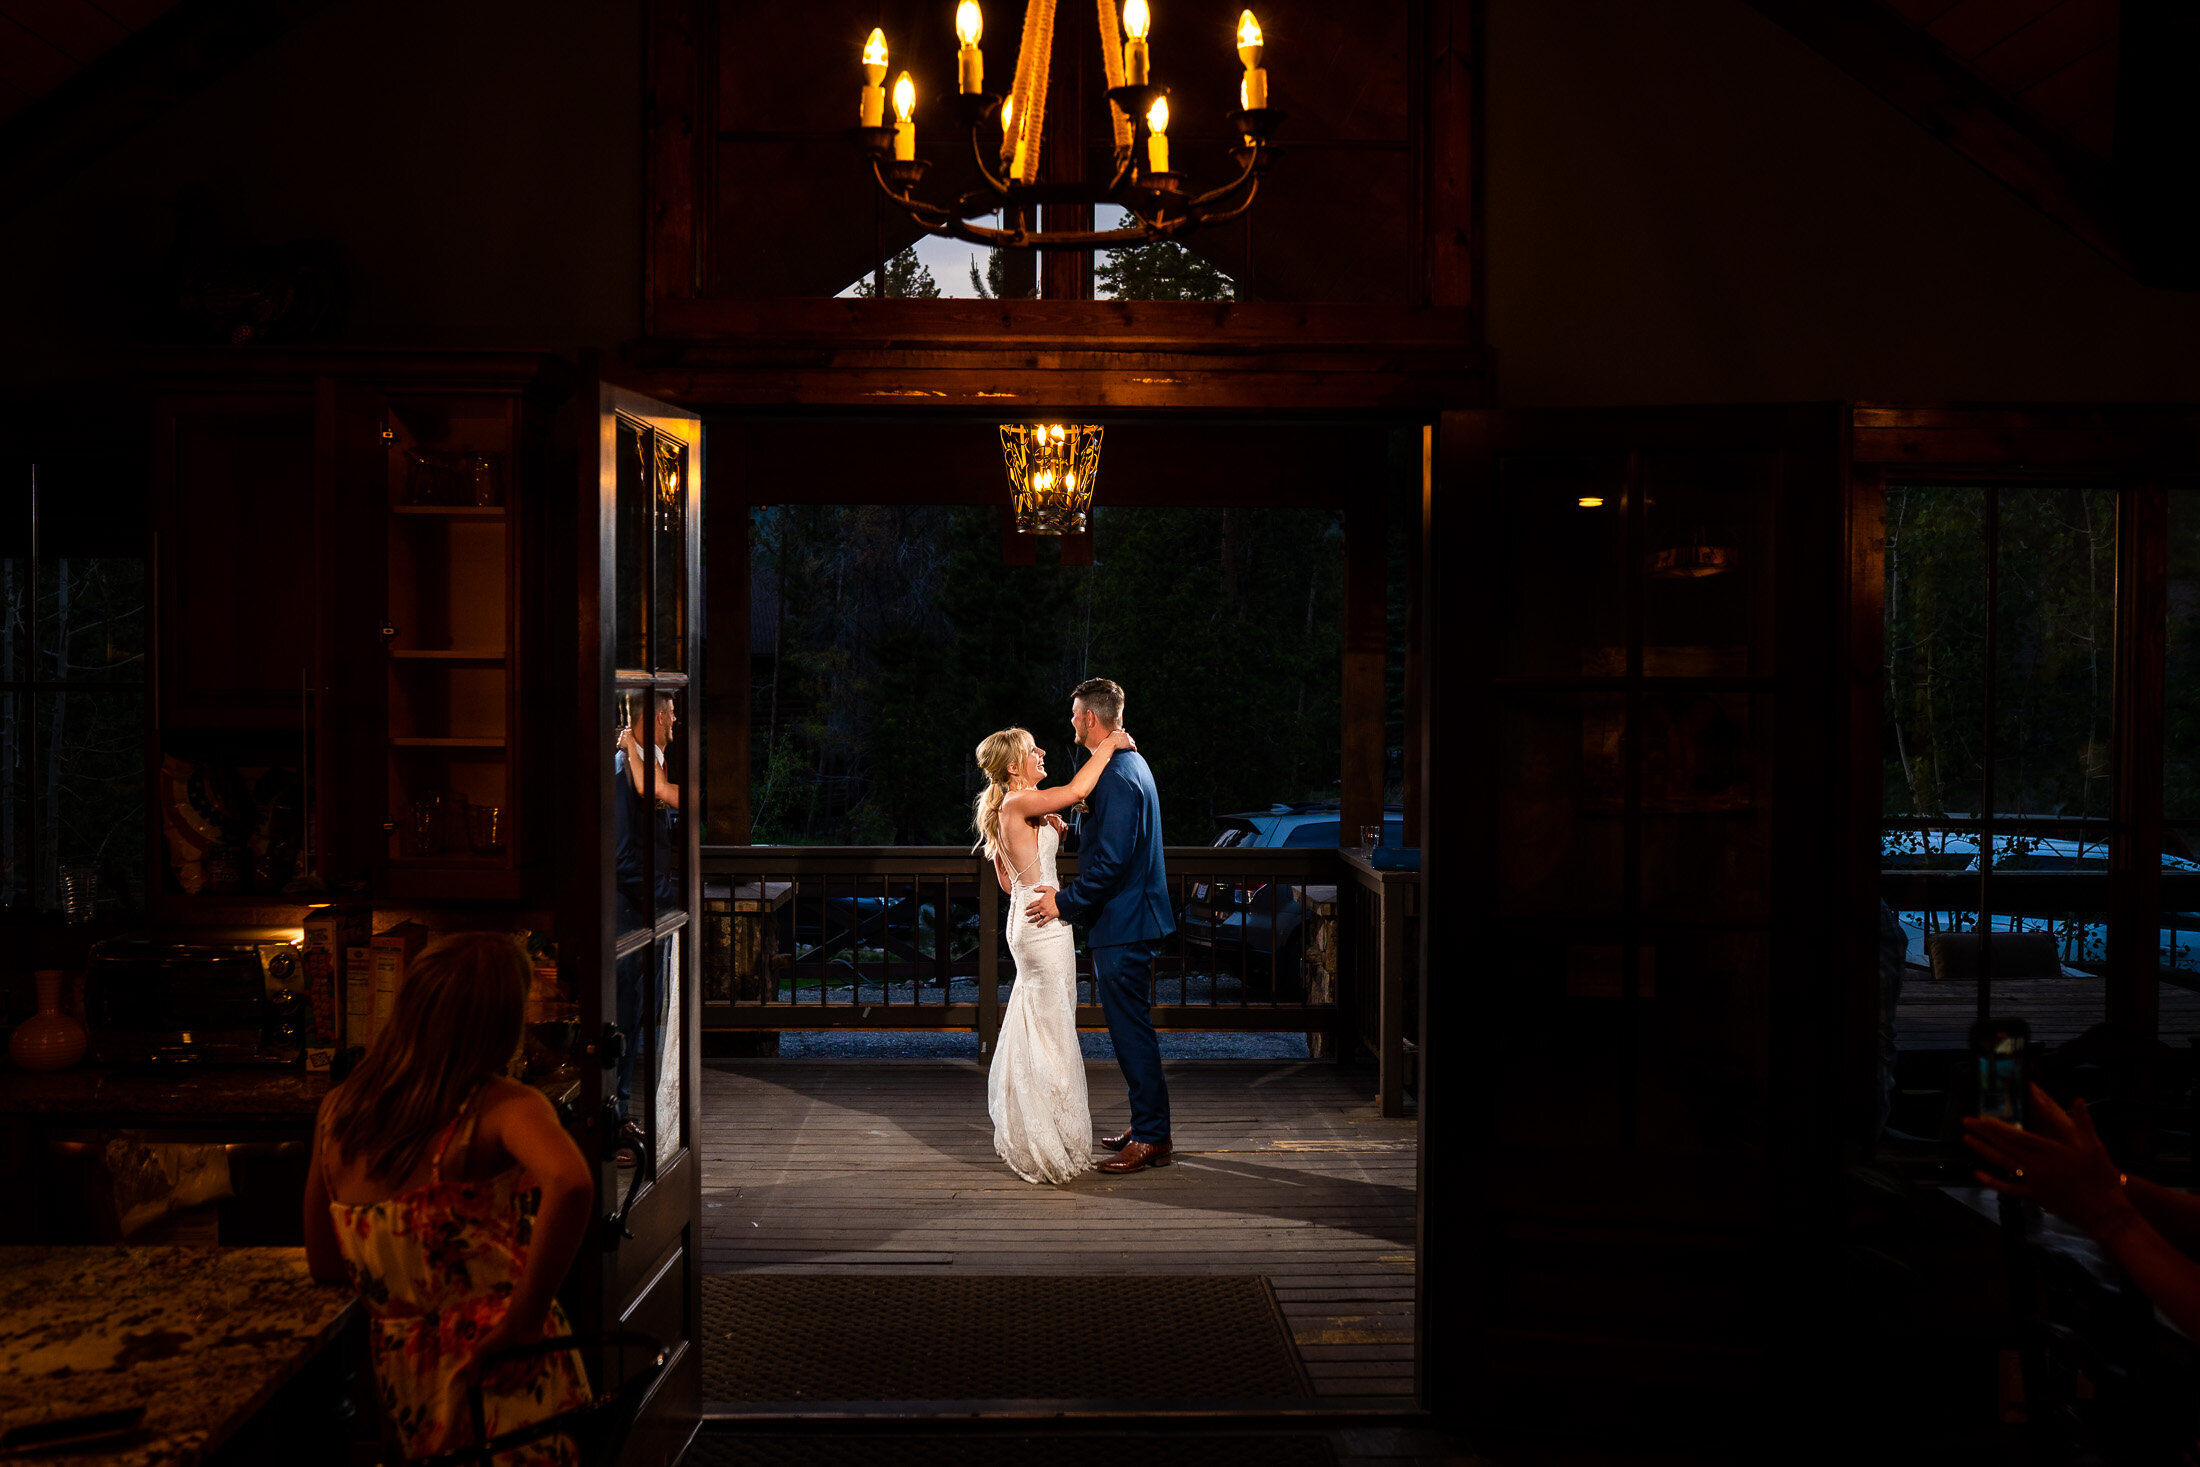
[1371, 836]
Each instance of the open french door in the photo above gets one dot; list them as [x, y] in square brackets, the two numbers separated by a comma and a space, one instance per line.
[629, 900]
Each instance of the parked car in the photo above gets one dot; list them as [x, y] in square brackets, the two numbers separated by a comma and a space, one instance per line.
[2080, 943]
[1232, 925]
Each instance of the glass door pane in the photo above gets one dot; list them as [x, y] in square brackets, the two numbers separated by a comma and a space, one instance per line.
[631, 546]
[668, 594]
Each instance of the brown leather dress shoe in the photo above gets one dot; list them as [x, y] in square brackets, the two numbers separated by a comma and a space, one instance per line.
[1117, 1143]
[1136, 1156]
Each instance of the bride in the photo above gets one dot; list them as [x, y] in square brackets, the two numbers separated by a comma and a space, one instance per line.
[1042, 1121]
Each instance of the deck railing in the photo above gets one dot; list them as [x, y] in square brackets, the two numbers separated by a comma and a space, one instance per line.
[1382, 914]
[914, 937]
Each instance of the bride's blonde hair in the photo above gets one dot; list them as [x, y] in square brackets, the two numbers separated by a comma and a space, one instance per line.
[998, 756]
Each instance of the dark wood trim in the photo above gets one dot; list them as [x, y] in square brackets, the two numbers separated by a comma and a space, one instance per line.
[1404, 386]
[725, 710]
[751, 329]
[1908, 69]
[2135, 843]
[2021, 438]
[1449, 175]
[1857, 859]
[1416, 699]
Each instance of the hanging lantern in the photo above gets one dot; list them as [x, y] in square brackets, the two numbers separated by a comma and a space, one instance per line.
[1051, 468]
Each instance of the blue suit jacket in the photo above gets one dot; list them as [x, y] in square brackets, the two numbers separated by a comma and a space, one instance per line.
[1121, 893]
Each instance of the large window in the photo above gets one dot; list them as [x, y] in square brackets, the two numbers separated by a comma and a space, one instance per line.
[1999, 777]
[72, 659]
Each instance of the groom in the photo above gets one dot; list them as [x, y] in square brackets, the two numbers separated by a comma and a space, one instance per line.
[1121, 899]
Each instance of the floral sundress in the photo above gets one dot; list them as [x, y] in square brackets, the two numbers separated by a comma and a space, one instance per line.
[436, 1267]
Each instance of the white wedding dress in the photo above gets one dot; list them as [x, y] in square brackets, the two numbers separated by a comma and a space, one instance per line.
[1042, 1117]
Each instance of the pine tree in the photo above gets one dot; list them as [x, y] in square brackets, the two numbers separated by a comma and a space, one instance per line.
[906, 278]
[1162, 271]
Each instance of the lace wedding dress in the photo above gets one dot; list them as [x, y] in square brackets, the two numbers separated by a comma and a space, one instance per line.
[1042, 1118]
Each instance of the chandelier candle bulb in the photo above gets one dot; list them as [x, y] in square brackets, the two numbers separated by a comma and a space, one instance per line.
[1157, 146]
[1137, 67]
[874, 68]
[969, 26]
[1253, 90]
[905, 131]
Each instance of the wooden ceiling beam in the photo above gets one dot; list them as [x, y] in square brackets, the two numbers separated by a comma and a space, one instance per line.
[1909, 70]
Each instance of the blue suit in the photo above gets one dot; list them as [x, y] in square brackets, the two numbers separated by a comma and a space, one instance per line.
[1121, 900]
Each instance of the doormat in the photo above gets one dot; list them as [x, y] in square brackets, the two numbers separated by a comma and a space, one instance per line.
[938, 1337]
[719, 1447]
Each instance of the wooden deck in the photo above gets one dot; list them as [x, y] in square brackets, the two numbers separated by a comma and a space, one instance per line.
[1285, 1168]
[1938, 1015]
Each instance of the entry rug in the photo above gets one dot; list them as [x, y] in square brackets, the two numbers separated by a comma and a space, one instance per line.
[941, 1337]
[722, 1445]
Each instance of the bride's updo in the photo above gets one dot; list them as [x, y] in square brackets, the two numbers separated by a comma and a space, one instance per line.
[998, 756]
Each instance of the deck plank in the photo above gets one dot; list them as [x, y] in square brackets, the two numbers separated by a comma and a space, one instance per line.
[1285, 1168]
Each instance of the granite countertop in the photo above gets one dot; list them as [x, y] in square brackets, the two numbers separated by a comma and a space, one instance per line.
[200, 1337]
[236, 1093]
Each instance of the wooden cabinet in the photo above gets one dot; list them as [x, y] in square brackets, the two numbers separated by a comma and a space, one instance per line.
[235, 519]
[343, 588]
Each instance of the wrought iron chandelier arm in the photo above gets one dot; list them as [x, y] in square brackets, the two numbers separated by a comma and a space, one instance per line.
[999, 186]
[1067, 239]
[1249, 173]
[917, 209]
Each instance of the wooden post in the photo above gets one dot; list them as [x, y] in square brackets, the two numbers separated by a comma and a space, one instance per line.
[1458, 852]
[726, 812]
[1416, 694]
[2135, 847]
[1365, 554]
[1395, 896]
[1066, 275]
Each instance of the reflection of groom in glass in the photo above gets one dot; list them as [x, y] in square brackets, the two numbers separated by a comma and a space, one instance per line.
[648, 882]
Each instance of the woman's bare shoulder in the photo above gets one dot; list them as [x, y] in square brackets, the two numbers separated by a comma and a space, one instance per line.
[503, 1097]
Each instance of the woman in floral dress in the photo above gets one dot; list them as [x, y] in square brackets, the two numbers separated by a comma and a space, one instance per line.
[452, 1199]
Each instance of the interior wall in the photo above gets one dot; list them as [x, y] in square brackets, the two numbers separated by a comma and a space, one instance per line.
[1683, 204]
[476, 167]
[1686, 204]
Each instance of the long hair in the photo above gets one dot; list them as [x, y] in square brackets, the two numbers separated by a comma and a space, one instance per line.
[458, 1021]
[998, 755]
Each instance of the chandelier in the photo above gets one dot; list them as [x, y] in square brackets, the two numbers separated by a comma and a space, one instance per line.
[1144, 185]
[1051, 467]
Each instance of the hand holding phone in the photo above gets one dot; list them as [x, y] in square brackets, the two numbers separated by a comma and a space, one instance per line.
[2001, 1049]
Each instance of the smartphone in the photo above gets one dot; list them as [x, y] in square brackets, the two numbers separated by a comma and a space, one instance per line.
[2001, 1048]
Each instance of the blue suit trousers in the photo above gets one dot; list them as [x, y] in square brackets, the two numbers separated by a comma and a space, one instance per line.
[1123, 972]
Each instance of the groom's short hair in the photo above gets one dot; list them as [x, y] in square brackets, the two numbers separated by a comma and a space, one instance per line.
[1101, 698]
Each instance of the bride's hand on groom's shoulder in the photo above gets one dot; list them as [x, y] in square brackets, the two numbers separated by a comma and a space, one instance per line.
[1121, 739]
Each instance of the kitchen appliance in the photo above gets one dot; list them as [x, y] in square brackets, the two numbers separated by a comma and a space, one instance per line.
[150, 1001]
